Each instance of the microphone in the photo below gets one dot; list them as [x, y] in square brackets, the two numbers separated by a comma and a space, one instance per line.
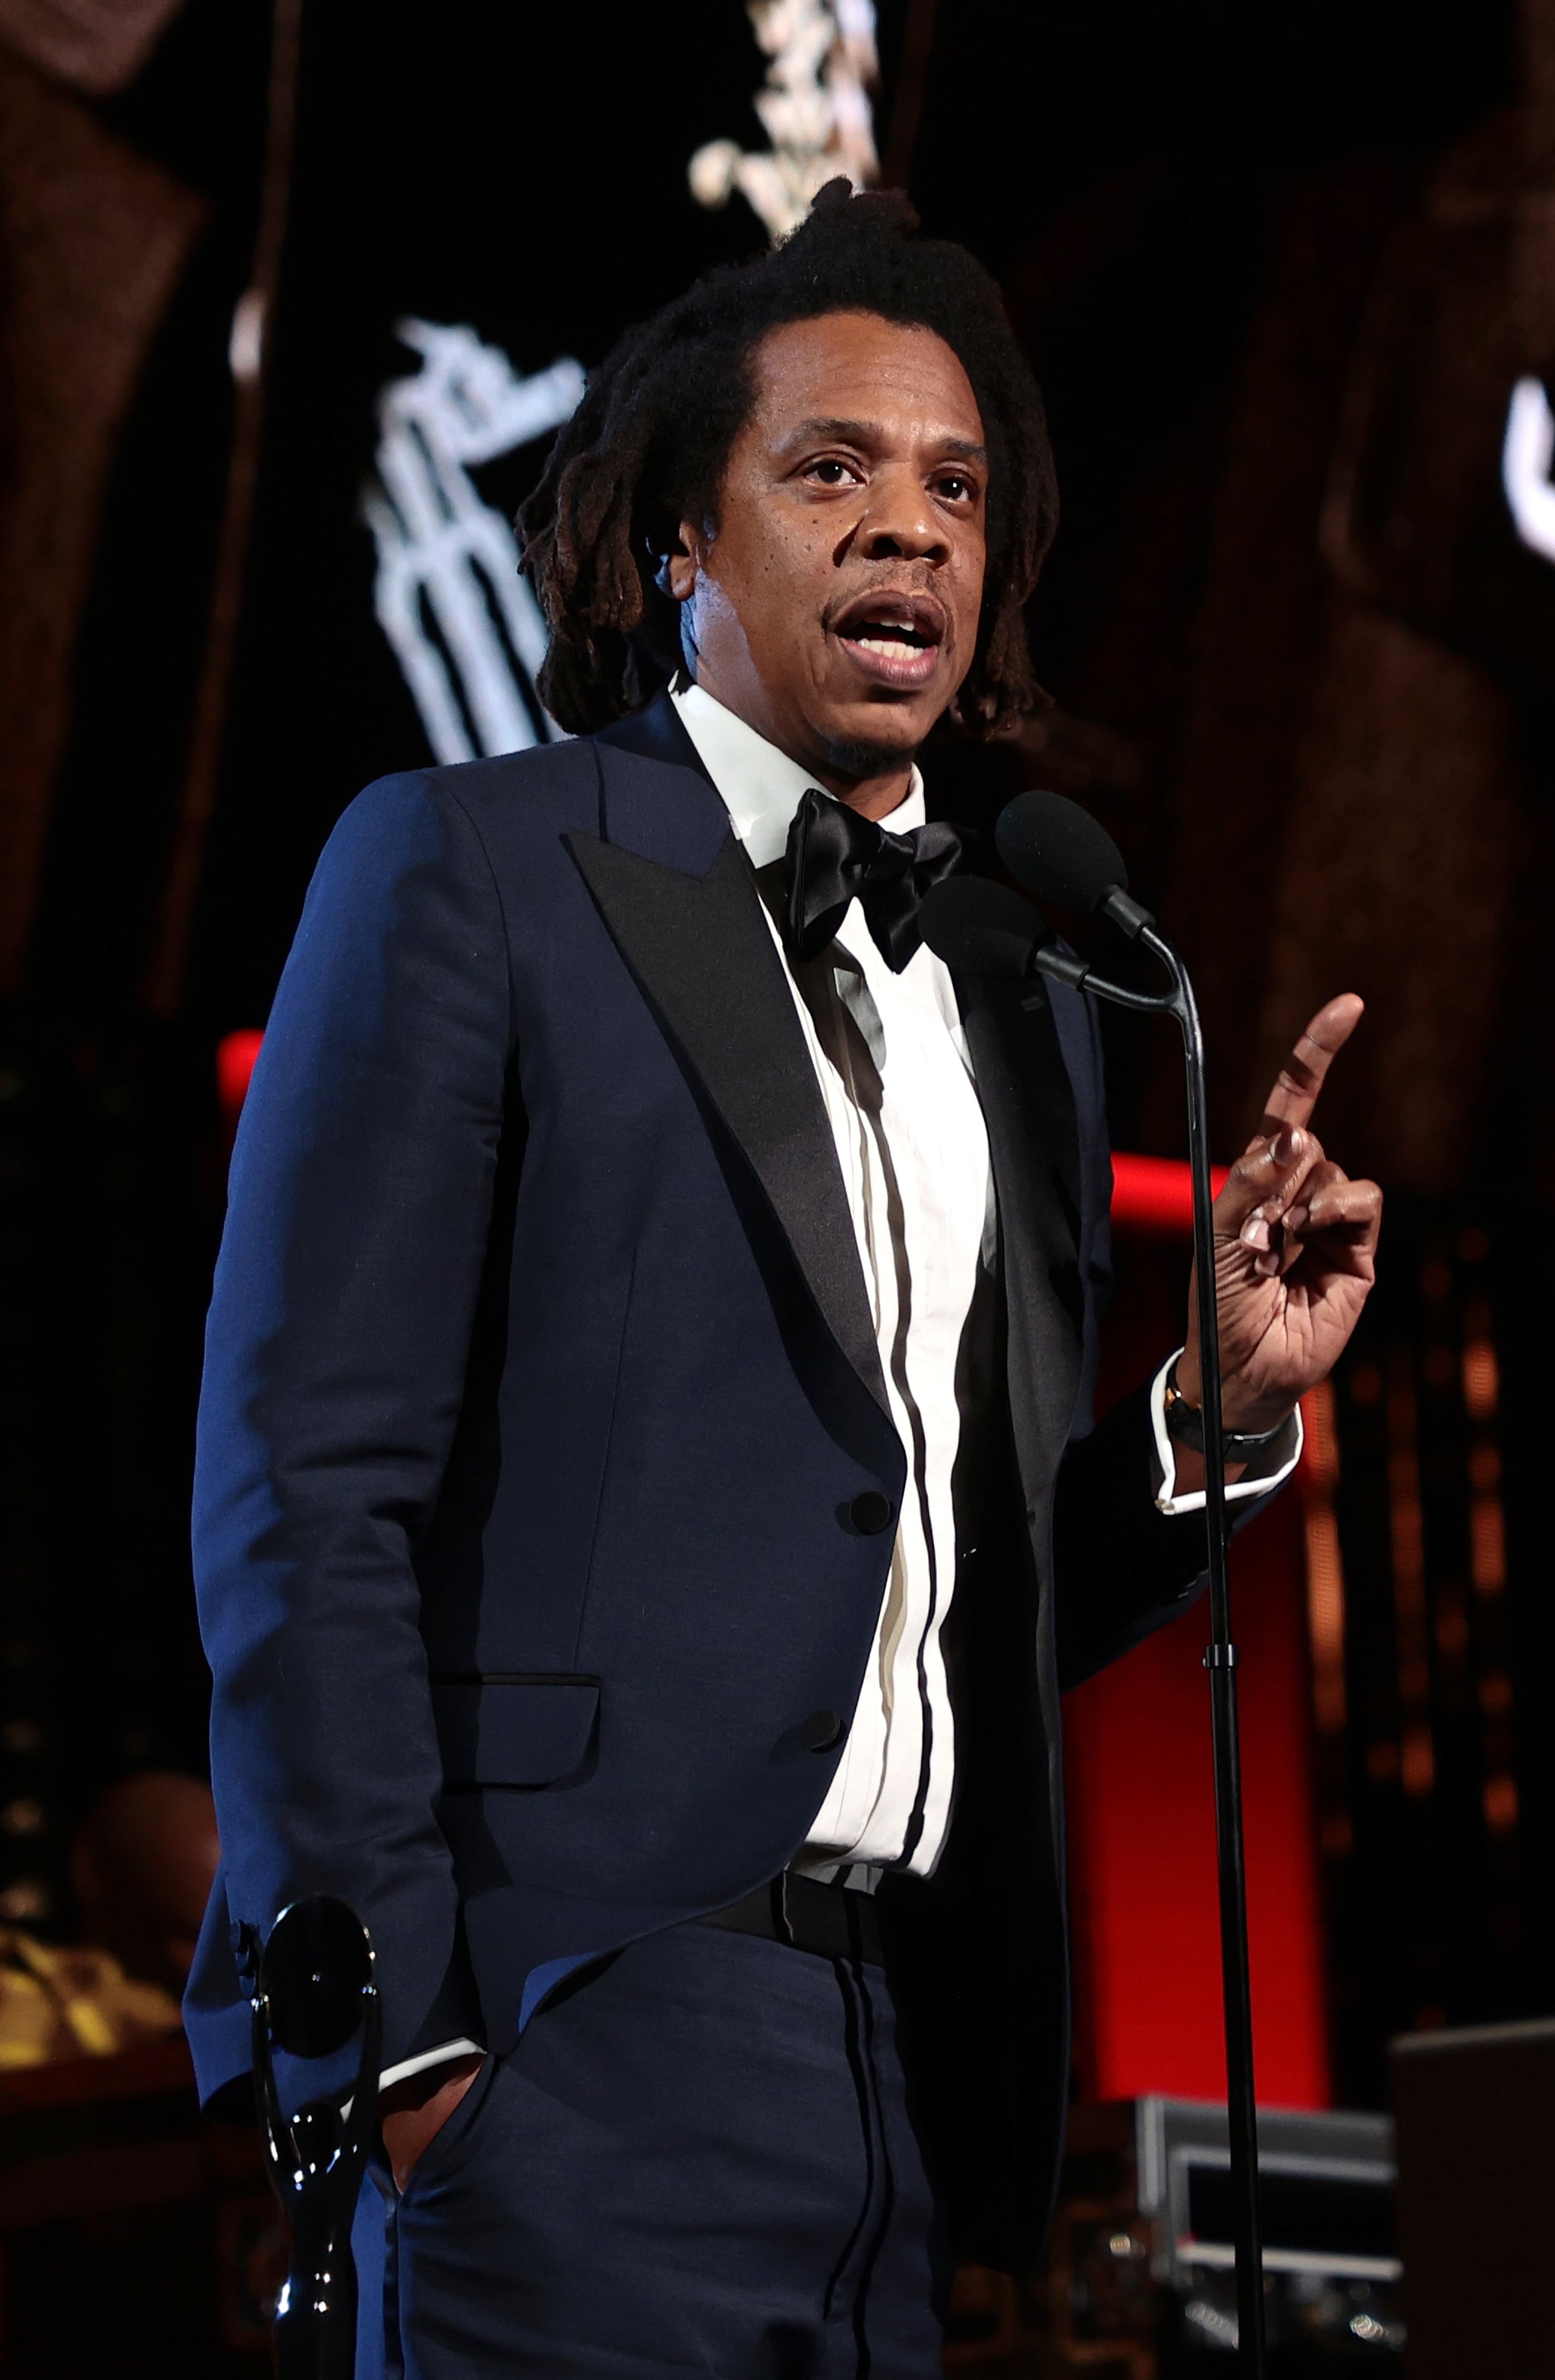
[978, 927]
[983, 929]
[1059, 853]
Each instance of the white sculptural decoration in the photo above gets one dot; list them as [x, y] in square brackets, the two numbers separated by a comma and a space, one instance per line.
[467, 631]
[815, 110]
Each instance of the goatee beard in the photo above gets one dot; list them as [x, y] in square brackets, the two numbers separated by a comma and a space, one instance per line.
[852, 758]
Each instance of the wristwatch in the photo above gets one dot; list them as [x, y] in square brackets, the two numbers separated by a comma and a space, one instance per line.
[1184, 1423]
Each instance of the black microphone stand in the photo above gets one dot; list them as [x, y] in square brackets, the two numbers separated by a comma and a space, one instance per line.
[1220, 1655]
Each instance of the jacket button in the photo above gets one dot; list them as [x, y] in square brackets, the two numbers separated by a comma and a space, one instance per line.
[822, 1731]
[869, 1513]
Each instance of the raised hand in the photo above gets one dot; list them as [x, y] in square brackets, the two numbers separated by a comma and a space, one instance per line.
[1296, 1246]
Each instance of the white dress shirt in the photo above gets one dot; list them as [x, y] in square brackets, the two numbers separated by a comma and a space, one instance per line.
[895, 1076]
[891, 1064]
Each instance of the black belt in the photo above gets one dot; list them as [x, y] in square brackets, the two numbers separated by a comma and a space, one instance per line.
[829, 1920]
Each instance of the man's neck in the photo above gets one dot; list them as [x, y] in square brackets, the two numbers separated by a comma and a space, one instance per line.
[873, 791]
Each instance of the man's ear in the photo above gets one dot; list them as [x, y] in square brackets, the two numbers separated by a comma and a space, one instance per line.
[676, 574]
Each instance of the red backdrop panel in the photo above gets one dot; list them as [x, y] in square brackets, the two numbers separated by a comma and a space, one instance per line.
[1143, 1849]
[1141, 1796]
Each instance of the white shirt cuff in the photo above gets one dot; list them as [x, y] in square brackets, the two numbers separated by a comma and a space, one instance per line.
[1265, 1470]
[445, 2052]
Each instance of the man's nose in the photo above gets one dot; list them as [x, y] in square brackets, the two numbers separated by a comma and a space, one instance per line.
[900, 524]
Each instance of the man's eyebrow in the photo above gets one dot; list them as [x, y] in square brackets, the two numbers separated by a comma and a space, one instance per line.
[867, 433]
[827, 425]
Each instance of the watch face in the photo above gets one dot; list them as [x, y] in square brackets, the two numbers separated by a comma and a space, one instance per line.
[1183, 1422]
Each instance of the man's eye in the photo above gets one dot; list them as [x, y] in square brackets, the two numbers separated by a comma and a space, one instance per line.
[954, 487]
[831, 471]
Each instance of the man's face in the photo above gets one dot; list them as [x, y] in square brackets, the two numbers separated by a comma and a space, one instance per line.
[834, 607]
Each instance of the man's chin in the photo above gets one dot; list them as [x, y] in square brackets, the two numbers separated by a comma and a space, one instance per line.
[854, 747]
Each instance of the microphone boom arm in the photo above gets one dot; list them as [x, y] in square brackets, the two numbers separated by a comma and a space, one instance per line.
[1062, 966]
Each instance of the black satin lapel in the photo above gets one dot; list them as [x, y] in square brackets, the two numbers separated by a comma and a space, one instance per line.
[701, 950]
[1028, 1104]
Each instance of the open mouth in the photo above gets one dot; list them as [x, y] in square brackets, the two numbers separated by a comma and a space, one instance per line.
[889, 636]
[893, 638]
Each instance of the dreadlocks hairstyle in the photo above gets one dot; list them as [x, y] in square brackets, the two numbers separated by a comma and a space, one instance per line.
[647, 449]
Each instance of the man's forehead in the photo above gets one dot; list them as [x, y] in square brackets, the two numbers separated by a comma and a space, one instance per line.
[856, 375]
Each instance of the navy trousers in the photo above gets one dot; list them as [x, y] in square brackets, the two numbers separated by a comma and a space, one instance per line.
[700, 2158]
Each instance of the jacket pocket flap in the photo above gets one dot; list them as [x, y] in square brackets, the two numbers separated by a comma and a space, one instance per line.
[514, 1731]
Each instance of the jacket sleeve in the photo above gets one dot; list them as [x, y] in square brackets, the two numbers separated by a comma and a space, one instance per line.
[1122, 1567]
[359, 1206]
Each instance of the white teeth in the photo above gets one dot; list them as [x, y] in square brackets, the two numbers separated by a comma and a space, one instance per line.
[889, 635]
[891, 646]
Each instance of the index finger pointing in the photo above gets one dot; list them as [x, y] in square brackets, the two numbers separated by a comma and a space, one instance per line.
[1300, 1077]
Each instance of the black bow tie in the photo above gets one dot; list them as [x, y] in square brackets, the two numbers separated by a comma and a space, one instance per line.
[835, 856]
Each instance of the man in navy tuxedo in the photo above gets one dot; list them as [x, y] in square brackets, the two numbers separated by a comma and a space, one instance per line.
[647, 1501]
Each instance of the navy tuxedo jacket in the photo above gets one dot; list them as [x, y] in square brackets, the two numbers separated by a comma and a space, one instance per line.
[540, 1391]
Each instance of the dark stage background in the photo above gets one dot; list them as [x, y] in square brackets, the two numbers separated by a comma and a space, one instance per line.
[1278, 275]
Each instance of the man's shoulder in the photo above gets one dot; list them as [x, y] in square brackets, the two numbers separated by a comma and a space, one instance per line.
[547, 786]
[551, 788]
[463, 823]
[509, 812]
[638, 783]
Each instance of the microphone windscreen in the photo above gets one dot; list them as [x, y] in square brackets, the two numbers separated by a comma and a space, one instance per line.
[1058, 851]
[982, 928]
